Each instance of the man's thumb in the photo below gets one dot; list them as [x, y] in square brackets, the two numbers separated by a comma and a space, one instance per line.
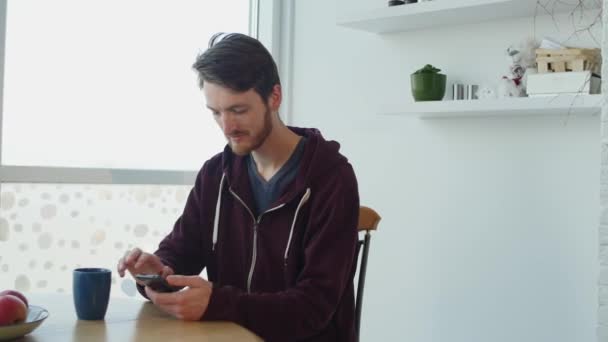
[180, 280]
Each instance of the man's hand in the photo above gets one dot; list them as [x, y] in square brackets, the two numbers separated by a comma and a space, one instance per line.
[139, 262]
[189, 304]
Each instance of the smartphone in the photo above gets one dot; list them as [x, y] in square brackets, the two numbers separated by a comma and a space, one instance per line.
[155, 282]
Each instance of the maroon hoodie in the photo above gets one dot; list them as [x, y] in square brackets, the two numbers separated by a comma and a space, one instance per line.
[285, 274]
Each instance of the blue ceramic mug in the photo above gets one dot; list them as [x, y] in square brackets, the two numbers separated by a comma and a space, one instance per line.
[91, 288]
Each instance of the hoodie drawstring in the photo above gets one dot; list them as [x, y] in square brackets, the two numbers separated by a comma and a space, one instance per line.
[293, 223]
[216, 219]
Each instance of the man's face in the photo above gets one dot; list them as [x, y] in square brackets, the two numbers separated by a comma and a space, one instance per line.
[244, 118]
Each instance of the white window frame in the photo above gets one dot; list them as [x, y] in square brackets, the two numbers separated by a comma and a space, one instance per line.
[276, 31]
[266, 18]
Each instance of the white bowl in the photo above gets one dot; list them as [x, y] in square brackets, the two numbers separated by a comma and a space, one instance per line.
[35, 316]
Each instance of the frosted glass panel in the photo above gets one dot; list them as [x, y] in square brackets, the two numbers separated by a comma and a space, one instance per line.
[109, 83]
[47, 230]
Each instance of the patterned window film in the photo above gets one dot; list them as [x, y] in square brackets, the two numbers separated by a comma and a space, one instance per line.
[47, 230]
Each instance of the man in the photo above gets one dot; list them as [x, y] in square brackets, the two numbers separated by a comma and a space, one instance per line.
[273, 218]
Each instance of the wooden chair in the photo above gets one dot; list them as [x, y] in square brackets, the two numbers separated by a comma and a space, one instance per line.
[368, 221]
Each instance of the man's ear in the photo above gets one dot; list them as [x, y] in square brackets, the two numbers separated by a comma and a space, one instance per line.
[275, 98]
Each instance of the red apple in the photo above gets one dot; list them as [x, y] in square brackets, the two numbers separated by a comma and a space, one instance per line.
[12, 310]
[16, 294]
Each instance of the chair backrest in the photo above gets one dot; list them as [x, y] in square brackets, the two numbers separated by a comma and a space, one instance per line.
[368, 221]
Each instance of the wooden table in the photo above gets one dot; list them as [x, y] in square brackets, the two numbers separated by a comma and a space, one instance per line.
[126, 320]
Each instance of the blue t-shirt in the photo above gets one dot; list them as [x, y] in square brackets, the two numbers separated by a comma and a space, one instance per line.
[266, 192]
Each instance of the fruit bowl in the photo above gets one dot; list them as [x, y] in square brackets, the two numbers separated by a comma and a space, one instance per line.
[35, 316]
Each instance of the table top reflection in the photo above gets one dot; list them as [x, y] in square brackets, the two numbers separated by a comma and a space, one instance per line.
[126, 320]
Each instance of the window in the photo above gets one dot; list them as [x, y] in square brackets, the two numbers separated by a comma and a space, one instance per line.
[109, 84]
[103, 129]
[47, 230]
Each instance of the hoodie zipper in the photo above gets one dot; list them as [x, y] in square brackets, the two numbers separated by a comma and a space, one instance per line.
[256, 223]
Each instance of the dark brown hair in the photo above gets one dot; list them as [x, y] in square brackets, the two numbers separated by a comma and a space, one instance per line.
[238, 62]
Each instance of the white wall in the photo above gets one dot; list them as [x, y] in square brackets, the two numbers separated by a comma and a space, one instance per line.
[489, 229]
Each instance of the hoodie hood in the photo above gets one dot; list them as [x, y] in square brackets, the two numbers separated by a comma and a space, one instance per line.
[319, 156]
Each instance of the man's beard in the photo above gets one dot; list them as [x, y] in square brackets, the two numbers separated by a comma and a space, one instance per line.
[258, 140]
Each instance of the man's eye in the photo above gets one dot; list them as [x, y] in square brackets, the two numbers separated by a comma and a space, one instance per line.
[215, 113]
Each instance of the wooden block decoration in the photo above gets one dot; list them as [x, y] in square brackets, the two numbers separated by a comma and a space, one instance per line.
[564, 60]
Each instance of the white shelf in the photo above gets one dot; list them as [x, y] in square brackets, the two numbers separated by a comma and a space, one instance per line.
[437, 13]
[522, 106]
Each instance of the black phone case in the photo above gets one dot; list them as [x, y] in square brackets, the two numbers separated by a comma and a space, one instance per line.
[155, 282]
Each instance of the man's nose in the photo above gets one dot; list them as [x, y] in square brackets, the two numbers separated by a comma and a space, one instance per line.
[227, 123]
